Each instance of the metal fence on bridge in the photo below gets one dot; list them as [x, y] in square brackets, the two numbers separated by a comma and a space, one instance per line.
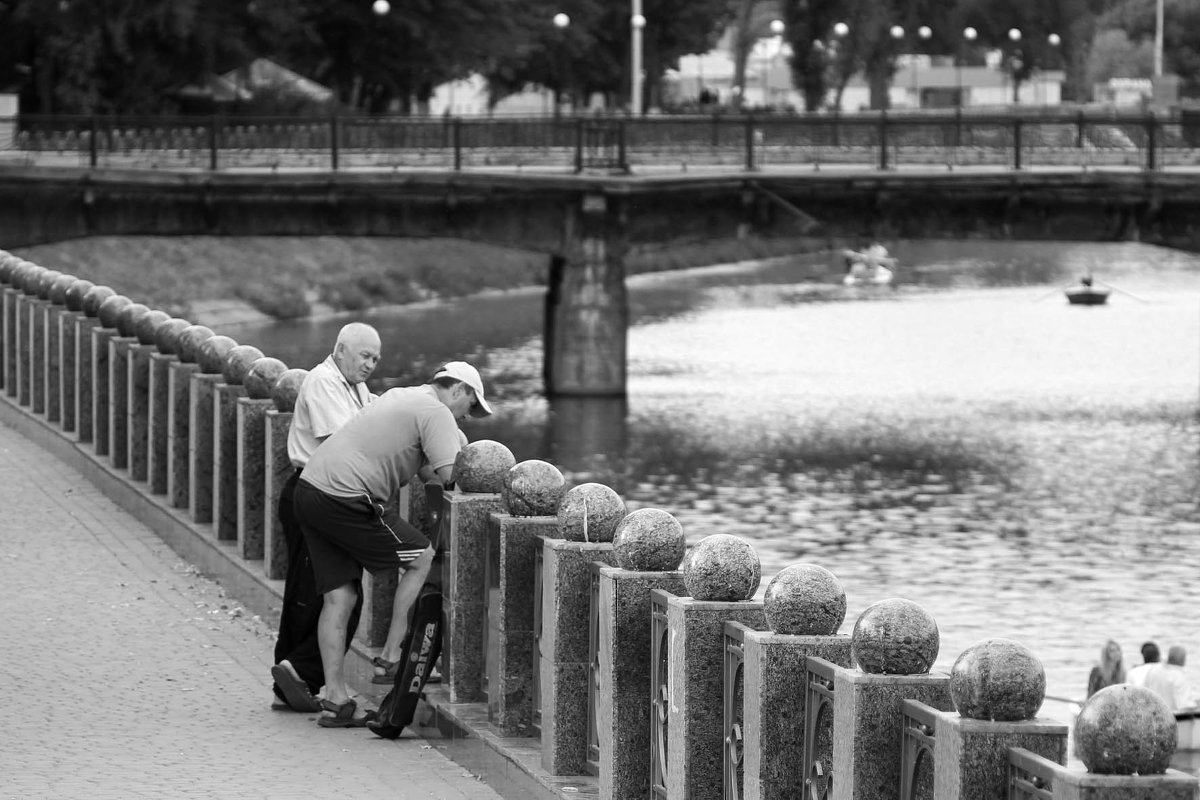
[869, 140]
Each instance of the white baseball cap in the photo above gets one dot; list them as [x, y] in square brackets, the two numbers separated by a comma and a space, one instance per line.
[462, 371]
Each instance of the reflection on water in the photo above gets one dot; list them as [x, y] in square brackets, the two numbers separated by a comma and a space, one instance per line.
[1020, 467]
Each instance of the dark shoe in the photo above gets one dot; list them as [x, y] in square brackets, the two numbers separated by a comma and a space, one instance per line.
[390, 668]
[295, 691]
[343, 715]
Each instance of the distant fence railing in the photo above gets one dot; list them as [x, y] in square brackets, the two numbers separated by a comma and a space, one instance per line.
[869, 140]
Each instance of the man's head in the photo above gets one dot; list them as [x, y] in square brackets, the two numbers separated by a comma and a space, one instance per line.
[1150, 653]
[356, 352]
[460, 388]
[1177, 654]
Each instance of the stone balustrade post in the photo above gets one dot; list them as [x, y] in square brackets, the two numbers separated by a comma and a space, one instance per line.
[68, 372]
[11, 293]
[24, 348]
[37, 354]
[118, 399]
[695, 687]
[1037, 776]
[252, 498]
[464, 592]
[101, 397]
[201, 449]
[564, 652]
[277, 469]
[53, 361]
[510, 642]
[158, 431]
[225, 460]
[179, 425]
[85, 376]
[137, 428]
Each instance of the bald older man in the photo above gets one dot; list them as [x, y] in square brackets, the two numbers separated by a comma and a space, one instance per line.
[333, 392]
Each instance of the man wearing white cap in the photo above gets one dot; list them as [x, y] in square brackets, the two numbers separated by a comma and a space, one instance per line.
[340, 501]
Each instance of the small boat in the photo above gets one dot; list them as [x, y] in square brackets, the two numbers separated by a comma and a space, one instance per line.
[1085, 294]
[870, 267]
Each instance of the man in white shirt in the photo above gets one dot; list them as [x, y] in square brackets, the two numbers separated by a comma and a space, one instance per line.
[333, 392]
[1170, 682]
[1150, 655]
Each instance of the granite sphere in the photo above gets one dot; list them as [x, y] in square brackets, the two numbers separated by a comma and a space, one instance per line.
[649, 540]
[1126, 730]
[45, 281]
[145, 327]
[260, 378]
[8, 262]
[895, 637]
[238, 361]
[95, 297]
[190, 339]
[110, 310]
[533, 488]
[998, 679]
[590, 512]
[166, 335]
[722, 568]
[57, 293]
[31, 279]
[127, 320]
[482, 466]
[287, 388]
[76, 292]
[805, 600]
[213, 352]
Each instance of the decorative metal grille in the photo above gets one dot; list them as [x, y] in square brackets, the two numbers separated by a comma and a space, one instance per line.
[818, 728]
[734, 697]
[1029, 778]
[917, 738]
[660, 693]
[536, 688]
[592, 765]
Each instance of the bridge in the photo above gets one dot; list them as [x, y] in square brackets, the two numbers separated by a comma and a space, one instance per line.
[589, 216]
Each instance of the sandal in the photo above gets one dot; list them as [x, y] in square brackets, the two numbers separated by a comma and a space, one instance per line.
[343, 715]
[390, 668]
[292, 690]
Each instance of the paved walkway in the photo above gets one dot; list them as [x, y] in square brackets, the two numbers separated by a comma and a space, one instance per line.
[128, 675]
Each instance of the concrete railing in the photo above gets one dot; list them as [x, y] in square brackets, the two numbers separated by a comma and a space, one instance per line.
[613, 675]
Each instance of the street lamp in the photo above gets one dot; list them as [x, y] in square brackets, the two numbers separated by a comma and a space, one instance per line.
[924, 32]
[777, 27]
[636, 23]
[969, 35]
[1014, 63]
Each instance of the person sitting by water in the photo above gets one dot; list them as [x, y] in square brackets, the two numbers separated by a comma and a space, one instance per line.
[1150, 657]
[1110, 670]
[868, 266]
[1171, 684]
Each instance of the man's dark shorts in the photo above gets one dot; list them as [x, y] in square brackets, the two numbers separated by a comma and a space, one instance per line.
[346, 535]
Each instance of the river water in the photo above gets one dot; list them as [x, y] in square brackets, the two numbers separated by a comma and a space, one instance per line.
[1020, 467]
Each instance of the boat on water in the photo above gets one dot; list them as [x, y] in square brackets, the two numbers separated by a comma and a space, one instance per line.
[870, 267]
[1085, 293]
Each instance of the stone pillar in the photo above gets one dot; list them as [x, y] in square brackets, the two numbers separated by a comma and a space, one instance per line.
[587, 312]
[24, 350]
[563, 630]
[251, 475]
[37, 354]
[277, 468]
[100, 389]
[85, 391]
[201, 450]
[1063, 783]
[695, 663]
[626, 677]
[867, 722]
[68, 372]
[10, 340]
[53, 362]
[509, 645]
[158, 431]
[118, 399]
[464, 593]
[970, 756]
[179, 426]
[225, 463]
[773, 708]
[137, 428]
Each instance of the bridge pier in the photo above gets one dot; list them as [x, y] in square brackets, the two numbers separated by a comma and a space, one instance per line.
[587, 310]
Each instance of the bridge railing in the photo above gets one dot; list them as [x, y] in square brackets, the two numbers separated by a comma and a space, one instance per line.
[868, 140]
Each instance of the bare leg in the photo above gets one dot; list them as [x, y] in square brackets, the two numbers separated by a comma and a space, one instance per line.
[331, 636]
[411, 580]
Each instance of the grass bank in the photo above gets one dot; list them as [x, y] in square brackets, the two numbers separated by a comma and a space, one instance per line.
[209, 279]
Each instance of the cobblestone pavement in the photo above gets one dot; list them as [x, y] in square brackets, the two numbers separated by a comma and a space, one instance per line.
[129, 675]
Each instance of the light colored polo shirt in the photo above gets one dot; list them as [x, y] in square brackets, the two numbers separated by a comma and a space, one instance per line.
[325, 402]
[381, 448]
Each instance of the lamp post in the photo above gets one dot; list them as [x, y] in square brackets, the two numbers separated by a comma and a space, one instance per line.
[969, 36]
[777, 27]
[1015, 63]
[562, 22]
[924, 33]
[636, 23]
